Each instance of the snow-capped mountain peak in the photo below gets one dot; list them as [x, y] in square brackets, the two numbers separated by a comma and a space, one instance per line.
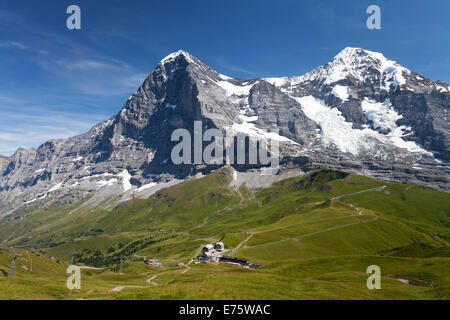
[173, 56]
[362, 66]
[357, 57]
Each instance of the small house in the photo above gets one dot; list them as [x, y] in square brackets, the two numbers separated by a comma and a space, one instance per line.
[152, 262]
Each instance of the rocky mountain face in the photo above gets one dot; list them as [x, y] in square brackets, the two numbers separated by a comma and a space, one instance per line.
[4, 161]
[357, 80]
[361, 112]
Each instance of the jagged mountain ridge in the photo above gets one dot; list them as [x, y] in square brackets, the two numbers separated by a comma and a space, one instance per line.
[360, 112]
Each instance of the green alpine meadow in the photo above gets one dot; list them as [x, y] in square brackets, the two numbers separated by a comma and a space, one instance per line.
[312, 236]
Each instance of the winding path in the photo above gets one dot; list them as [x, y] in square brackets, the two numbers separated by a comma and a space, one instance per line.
[151, 281]
[186, 270]
[359, 192]
[240, 244]
[310, 234]
[118, 289]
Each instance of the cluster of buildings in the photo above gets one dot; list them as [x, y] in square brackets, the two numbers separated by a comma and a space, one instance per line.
[215, 253]
[212, 253]
[152, 262]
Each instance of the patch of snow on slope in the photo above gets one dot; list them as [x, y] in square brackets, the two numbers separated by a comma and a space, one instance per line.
[339, 72]
[56, 187]
[31, 201]
[382, 115]
[106, 174]
[126, 177]
[441, 88]
[340, 92]
[146, 186]
[277, 82]
[250, 129]
[393, 76]
[109, 182]
[233, 89]
[336, 131]
[78, 159]
[224, 77]
[395, 136]
[391, 70]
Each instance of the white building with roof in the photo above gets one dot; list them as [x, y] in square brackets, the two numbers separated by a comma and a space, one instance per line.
[219, 246]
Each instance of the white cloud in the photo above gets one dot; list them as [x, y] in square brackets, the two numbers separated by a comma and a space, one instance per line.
[90, 64]
[13, 44]
[95, 77]
[234, 68]
[134, 81]
[32, 128]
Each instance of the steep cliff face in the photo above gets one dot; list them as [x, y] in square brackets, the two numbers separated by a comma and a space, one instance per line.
[4, 161]
[360, 112]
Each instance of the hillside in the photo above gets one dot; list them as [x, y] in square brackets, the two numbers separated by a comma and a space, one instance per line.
[315, 235]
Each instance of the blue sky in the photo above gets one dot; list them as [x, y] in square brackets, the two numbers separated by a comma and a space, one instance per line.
[55, 82]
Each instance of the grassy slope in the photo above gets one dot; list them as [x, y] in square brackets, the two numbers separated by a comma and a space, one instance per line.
[313, 246]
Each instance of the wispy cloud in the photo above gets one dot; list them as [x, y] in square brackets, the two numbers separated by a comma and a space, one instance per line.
[234, 68]
[78, 84]
[96, 64]
[25, 124]
[97, 76]
[16, 45]
[83, 68]
[13, 44]
[32, 129]
[88, 64]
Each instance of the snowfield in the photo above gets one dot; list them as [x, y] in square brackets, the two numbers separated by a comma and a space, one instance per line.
[249, 128]
[381, 114]
[233, 89]
[340, 133]
[340, 92]
[126, 177]
[56, 187]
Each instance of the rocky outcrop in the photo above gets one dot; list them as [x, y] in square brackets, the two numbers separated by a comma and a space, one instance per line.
[4, 161]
